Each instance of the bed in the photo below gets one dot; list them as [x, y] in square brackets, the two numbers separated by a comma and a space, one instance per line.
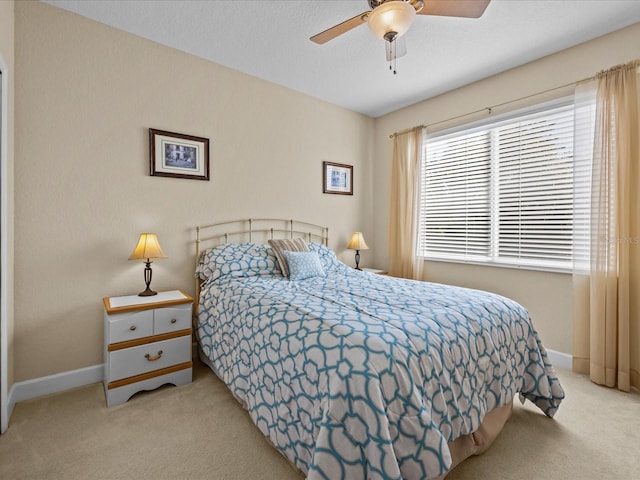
[354, 375]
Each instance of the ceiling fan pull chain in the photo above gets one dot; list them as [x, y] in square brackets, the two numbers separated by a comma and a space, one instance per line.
[395, 59]
[393, 56]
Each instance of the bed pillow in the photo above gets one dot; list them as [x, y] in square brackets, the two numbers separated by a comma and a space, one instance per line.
[237, 260]
[287, 244]
[328, 258]
[303, 265]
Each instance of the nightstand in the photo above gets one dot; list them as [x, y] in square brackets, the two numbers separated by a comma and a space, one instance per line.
[376, 271]
[147, 343]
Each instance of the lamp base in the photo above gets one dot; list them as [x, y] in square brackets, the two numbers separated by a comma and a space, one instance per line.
[147, 280]
[358, 260]
[147, 293]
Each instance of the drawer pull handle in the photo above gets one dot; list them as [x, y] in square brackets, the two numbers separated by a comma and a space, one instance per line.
[173, 320]
[153, 359]
[132, 328]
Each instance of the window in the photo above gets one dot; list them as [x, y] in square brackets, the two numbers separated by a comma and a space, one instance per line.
[501, 193]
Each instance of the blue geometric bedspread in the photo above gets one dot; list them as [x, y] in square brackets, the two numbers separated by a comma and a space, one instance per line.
[363, 376]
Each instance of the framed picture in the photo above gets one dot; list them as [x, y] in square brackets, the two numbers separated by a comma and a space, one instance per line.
[337, 178]
[176, 155]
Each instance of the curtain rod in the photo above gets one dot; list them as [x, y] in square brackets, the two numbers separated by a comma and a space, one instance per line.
[490, 109]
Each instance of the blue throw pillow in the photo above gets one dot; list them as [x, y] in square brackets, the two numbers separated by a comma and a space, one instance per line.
[303, 265]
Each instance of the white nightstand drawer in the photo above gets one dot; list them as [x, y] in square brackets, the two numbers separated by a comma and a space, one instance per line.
[132, 361]
[129, 326]
[171, 319]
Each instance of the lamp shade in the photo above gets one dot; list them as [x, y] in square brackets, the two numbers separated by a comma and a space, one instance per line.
[147, 248]
[357, 242]
[395, 16]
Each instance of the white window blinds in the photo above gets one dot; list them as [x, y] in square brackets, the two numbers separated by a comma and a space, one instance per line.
[501, 193]
[456, 200]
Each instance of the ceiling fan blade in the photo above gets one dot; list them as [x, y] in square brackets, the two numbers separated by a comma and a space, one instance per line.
[344, 27]
[400, 45]
[454, 8]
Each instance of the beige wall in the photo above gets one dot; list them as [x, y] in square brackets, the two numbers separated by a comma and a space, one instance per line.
[86, 95]
[548, 296]
[7, 53]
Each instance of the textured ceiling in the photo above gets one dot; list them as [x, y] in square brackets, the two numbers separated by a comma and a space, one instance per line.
[269, 39]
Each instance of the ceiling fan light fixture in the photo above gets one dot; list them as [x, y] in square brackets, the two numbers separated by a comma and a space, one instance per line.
[392, 19]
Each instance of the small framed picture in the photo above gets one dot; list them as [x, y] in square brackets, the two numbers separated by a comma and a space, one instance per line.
[337, 178]
[177, 155]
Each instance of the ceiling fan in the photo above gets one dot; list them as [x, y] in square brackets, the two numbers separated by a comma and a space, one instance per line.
[391, 19]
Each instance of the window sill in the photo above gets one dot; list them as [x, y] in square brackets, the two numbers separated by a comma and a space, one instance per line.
[567, 271]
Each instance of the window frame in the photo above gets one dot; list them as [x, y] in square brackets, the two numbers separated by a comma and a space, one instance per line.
[474, 127]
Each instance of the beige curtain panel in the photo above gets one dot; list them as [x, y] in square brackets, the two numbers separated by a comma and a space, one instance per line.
[405, 204]
[606, 228]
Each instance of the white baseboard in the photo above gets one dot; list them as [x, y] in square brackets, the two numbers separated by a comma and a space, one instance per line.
[59, 382]
[560, 359]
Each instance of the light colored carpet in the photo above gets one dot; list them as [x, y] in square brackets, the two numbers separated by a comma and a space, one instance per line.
[199, 431]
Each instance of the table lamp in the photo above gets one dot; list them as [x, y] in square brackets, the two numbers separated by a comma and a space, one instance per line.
[357, 243]
[147, 250]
